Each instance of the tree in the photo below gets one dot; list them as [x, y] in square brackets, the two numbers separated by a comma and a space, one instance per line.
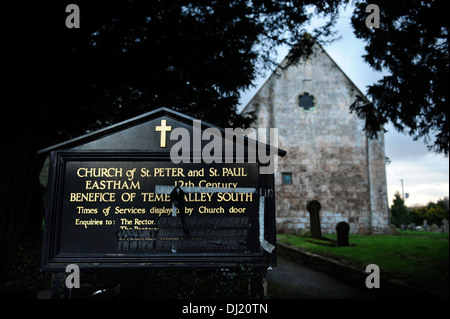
[127, 58]
[434, 213]
[412, 46]
[399, 212]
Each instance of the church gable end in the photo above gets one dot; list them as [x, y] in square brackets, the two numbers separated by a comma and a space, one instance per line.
[329, 157]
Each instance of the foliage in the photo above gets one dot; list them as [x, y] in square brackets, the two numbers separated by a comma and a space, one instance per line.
[434, 213]
[20, 267]
[412, 46]
[399, 212]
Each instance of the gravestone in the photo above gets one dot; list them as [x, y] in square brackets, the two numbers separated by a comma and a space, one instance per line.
[445, 226]
[435, 228]
[313, 208]
[342, 229]
[412, 227]
[425, 225]
[393, 230]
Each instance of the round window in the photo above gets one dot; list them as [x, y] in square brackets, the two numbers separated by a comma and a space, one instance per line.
[306, 101]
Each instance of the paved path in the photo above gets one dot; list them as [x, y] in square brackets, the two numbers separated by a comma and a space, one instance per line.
[292, 280]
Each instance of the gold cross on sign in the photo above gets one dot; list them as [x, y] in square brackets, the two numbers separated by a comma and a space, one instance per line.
[163, 129]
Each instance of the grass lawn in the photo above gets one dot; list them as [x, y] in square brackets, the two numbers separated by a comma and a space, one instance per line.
[420, 259]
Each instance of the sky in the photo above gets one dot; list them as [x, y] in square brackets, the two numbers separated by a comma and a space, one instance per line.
[425, 174]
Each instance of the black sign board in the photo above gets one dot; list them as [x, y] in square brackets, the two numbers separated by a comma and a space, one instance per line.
[117, 198]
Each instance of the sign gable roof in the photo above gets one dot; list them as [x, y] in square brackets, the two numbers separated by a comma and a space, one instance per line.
[137, 134]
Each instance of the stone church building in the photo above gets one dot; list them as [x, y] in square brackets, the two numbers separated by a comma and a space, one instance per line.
[329, 157]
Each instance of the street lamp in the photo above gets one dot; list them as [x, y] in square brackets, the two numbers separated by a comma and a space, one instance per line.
[403, 191]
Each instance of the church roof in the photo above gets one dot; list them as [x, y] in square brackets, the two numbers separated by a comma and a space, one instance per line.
[282, 69]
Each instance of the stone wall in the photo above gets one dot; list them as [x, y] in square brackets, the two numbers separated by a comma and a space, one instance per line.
[328, 154]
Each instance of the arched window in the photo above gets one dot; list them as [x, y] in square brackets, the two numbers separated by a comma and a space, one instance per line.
[306, 101]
